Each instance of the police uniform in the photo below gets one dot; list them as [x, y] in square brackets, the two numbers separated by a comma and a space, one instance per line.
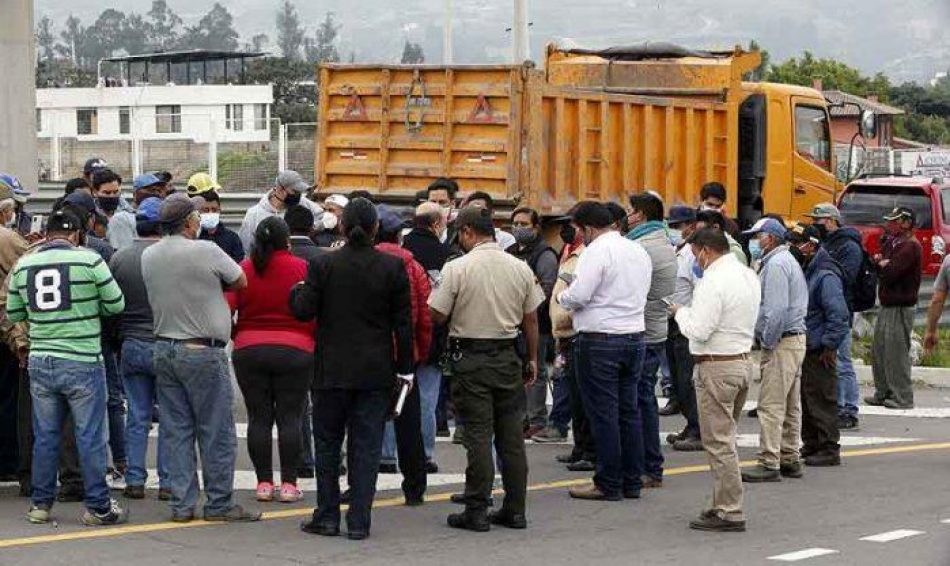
[486, 294]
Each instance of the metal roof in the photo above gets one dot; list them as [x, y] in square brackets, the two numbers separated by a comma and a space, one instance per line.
[188, 56]
[838, 97]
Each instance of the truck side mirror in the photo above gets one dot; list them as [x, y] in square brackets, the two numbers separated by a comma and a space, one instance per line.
[867, 124]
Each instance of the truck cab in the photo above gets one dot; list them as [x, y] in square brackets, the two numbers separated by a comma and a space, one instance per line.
[786, 162]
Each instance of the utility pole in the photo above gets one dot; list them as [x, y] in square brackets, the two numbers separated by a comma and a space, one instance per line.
[18, 155]
[521, 47]
[447, 54]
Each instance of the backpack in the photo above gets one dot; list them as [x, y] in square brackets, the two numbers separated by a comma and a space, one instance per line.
[864, 292]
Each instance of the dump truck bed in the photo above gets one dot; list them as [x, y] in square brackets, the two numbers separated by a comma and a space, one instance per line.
[506, 130]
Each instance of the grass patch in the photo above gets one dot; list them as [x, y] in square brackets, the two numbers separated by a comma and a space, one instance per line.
[939, 358]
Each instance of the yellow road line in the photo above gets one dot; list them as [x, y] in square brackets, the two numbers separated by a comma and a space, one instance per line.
[95, 533]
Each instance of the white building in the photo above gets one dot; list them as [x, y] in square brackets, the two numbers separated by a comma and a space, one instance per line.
[232, 113]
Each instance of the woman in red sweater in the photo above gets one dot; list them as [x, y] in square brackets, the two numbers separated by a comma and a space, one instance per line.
[273, 357]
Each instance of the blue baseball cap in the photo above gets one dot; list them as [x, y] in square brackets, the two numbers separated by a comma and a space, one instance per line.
[81, 200]
[389, 219]
[767, 226]
[681, 214]
[19, 193]
[148, 209]
[146, 180]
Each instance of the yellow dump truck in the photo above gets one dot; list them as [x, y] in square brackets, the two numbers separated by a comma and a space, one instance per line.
[590, 125]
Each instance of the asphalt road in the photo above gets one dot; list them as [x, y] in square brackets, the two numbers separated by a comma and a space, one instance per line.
[892, 487]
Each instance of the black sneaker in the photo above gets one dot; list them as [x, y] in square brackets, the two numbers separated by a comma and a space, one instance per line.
[236, 514]
[569, 458]
[847, 422]
[711, 521]
[761, 474]
[134, 492]
[69, 494]
[459, 499]
[823, 460]
[476, 521]
[164, 494]
[792, 470]
[506, 519]
[874, 401]
[114, 515]
[582, 466]
[314, 528]
[431, 467]
[688, 444]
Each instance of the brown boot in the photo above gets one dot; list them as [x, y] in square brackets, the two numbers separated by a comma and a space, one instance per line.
[592, 493]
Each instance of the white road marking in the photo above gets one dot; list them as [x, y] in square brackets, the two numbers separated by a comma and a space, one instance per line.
[866, 410]
[246, 480]
[750, 440]
[803, 554]
[892, 535]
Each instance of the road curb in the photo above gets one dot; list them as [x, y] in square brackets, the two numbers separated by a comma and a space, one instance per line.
[926, 376]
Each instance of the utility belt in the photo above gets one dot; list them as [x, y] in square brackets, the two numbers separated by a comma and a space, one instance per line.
[459, 347]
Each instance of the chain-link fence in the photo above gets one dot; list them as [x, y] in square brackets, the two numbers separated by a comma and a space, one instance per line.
[237, 163]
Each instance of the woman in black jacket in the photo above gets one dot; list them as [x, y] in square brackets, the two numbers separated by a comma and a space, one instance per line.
[360, 298]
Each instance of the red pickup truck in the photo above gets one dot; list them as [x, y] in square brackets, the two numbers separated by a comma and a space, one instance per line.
[865, 201]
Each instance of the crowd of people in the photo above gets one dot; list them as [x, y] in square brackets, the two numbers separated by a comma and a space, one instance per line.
[344, 321]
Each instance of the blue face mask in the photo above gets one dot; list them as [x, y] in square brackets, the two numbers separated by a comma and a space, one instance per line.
[755, 249]
[697, 269]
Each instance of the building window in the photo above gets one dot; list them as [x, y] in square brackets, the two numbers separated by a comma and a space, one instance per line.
[168, 119]
[87, 121]
[234, 117]
[39, 120]
[812, 137]
[260, 116]
[125, 126]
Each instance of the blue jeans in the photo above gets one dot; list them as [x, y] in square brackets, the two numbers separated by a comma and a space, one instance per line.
[560, 416]
[648, 446]
[194, 392]
[138, 374]
[388, 455]
[429, 382]
[115, 404]
[56, 383]
[608, 369]
[848, 391]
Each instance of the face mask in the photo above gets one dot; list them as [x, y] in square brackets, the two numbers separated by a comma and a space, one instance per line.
[210, 220]
[292, 199]
[568, 234]
[330, 221]
[799, 256]
[755, 249]
[822, 231]
[108, 204]
[523, 235]
[10, 222]
[698, 268]
[446, 213]
[705, 206]
[676, 237]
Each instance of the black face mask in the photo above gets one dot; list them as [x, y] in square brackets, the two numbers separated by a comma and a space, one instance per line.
[292, 199]
[800, 257]
[568, 234]
[108, 204]
[822, 231]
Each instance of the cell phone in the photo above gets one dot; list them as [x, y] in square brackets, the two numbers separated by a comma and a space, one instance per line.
[566, 277]
[37, 224]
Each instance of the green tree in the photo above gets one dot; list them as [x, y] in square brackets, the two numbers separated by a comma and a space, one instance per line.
[164, 29]
[321, 48]
[257, 42]
[759, 73]
[215, 30]
[834, 75]
[923, 128]
[290, 33]
[107, 35]
[412, 54]
[45, 39]
[74, 42]
[295, 96]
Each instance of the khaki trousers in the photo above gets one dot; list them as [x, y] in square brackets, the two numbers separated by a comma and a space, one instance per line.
[780, 403]
[721, 389]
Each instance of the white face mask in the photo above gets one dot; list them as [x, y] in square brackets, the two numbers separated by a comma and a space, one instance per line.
[330, 221]
[210, 220]
[10, 222]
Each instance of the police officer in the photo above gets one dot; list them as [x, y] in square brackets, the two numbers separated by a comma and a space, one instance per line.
[485, 296]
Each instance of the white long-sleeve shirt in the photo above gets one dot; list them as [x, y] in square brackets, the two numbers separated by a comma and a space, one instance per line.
[609, 291]
[721, 320]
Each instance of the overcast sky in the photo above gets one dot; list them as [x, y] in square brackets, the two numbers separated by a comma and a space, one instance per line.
[906, 40]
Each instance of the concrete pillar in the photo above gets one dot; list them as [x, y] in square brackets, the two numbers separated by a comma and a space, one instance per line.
[521, 43]
[18, 153]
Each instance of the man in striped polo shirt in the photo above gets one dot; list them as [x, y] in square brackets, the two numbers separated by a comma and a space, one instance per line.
[62, 290]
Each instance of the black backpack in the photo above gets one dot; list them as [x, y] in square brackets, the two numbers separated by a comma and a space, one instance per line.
[864, 295]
